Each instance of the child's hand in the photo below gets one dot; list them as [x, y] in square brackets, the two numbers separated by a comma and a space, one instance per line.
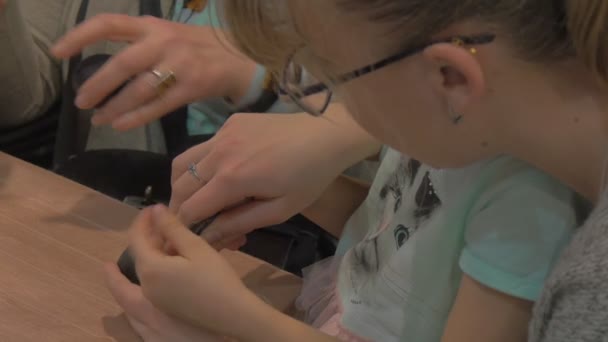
[192, 282]
[195, 284]
[151, 324]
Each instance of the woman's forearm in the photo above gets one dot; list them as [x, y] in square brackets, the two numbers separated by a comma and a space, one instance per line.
[337, 204]
[351, 143]
[347, 144]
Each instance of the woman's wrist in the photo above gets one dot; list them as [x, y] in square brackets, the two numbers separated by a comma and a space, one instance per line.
[242, 81]
[351, 143]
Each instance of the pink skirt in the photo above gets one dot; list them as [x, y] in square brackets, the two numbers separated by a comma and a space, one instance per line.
[319, 302]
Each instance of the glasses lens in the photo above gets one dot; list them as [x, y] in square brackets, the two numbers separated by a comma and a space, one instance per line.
[302, 88]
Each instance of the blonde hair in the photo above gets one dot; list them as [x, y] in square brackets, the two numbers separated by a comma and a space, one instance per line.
[588, 25]
[262, 30]
[539, 30]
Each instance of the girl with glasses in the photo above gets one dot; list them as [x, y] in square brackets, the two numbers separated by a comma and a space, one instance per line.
[462, 90]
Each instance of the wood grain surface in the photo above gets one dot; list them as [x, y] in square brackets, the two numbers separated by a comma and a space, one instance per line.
[54, 237]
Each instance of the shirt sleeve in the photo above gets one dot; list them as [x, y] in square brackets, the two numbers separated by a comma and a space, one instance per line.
[31, 78]
[516, 231]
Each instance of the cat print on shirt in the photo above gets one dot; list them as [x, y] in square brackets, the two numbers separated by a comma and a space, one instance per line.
[408, 195]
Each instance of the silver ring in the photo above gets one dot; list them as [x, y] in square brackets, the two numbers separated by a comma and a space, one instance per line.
[192, 170]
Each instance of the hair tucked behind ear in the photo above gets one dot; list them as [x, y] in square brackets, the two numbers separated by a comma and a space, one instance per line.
[262, 30]
[542, 31]
[588, 27]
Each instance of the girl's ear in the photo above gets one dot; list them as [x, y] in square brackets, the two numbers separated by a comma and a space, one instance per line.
[456, 74]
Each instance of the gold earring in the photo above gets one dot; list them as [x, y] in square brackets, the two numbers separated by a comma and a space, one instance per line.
[460, 42]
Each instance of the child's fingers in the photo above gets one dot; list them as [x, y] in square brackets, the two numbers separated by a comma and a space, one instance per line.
[138, 310]
[142, 223]
[142, 330]
[176, 235]
[146, 242]
[129, 296]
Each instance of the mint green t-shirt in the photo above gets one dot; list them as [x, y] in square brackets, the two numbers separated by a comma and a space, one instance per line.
[501, 222]
[206, 117]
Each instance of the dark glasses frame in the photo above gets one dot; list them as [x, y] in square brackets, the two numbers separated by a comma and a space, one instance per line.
[480, 39]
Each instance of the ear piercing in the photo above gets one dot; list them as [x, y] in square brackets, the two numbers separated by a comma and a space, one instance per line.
[454, 116]
[460, 42]
[457, 117]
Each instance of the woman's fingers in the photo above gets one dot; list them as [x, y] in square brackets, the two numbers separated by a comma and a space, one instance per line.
[156, 45]
[243, 219]
[188, 184]
[197, 168]
[194, 155]
[161, 105]
[134, 94]
[133, 60]
[113, 27]
[208, 201]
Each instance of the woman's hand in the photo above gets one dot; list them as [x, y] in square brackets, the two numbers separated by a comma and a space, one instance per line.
[202, 61]
[265, 167]
[151, 324]
[192, 281]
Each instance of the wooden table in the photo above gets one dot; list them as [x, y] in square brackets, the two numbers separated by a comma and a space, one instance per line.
[54, 237]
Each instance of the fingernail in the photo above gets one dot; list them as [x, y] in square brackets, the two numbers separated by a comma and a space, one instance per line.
[211, 236]
[82, 101]
[159, 211]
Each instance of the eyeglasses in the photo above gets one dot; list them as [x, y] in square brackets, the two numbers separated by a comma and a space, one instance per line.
[314, 97]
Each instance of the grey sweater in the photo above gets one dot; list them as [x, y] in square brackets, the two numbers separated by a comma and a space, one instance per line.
[574, 304]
